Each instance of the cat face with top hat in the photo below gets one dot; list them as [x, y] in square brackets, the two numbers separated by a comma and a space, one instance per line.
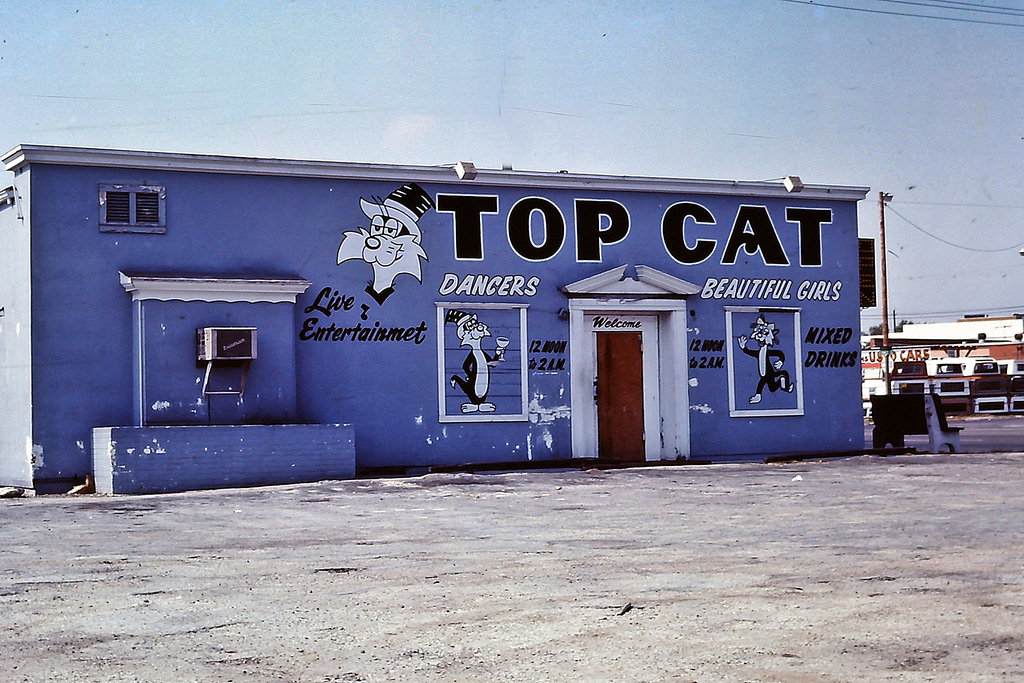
[391, 245]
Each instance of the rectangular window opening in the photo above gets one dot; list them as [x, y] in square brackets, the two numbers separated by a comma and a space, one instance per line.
[763, 360]
[132, 208]
[147, 208]
[482, 363]
[119, 207]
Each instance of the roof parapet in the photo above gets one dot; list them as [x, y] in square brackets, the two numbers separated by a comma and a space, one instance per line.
[24, 155]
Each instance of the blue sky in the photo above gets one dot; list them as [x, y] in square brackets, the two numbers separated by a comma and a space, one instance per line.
[930, 110]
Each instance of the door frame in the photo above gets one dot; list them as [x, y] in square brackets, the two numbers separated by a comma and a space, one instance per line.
[648, 329]
[632, 290]
[666, 413]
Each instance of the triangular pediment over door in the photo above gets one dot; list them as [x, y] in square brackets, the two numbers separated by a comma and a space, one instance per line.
[631, 281]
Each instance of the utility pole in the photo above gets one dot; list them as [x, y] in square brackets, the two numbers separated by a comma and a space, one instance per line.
[886, 350]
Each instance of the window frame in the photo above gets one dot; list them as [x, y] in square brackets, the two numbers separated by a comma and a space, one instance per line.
[443, 386]
[133, 225]
[737, 407]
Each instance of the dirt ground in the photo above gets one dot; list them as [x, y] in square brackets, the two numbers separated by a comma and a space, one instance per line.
[862, 569]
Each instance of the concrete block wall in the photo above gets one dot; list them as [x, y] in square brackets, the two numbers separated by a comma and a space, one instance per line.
[130, 460]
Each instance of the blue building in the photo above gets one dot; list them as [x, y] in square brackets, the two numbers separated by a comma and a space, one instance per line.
[174, 321]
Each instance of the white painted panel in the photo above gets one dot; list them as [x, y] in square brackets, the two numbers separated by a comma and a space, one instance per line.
[16, 448]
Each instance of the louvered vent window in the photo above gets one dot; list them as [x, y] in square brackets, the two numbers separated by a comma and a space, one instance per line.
[119, 207]
[126, 208]
[147, 208]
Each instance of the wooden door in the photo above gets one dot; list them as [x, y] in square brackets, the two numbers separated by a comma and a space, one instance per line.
[620, 396]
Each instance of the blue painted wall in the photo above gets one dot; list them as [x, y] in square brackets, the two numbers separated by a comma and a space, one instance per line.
[133, 460]
[172, 384]
[253, 225]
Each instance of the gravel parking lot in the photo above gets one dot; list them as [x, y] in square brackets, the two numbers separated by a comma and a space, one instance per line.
[905, 568]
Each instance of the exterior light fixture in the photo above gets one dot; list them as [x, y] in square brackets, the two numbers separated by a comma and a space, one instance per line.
[792, 183]
[466, 170]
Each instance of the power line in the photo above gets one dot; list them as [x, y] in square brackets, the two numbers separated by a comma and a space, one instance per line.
[979, 4]
[959, 274]
[954, 244]
[981, 206]
[868, 10]
[963, 7]
[960, 313]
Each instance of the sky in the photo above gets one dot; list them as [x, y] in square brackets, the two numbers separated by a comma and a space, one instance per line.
[920, 99]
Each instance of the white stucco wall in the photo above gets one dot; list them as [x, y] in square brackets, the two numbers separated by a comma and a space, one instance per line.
[16, 449]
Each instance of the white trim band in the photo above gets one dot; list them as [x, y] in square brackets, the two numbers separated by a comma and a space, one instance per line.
[226, 289]
[24, 155]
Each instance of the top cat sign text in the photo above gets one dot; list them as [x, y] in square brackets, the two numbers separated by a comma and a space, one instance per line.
[603, 222]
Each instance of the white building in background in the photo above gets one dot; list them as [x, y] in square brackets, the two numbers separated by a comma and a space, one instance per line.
[918, 349]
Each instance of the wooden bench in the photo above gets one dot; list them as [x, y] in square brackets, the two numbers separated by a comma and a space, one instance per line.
[898, 415]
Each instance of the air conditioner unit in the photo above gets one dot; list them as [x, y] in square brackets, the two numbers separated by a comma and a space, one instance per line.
[226, 343]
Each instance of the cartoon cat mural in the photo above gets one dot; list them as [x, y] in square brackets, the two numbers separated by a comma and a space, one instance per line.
[769, 361]
[391, 245]
[477, 366]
